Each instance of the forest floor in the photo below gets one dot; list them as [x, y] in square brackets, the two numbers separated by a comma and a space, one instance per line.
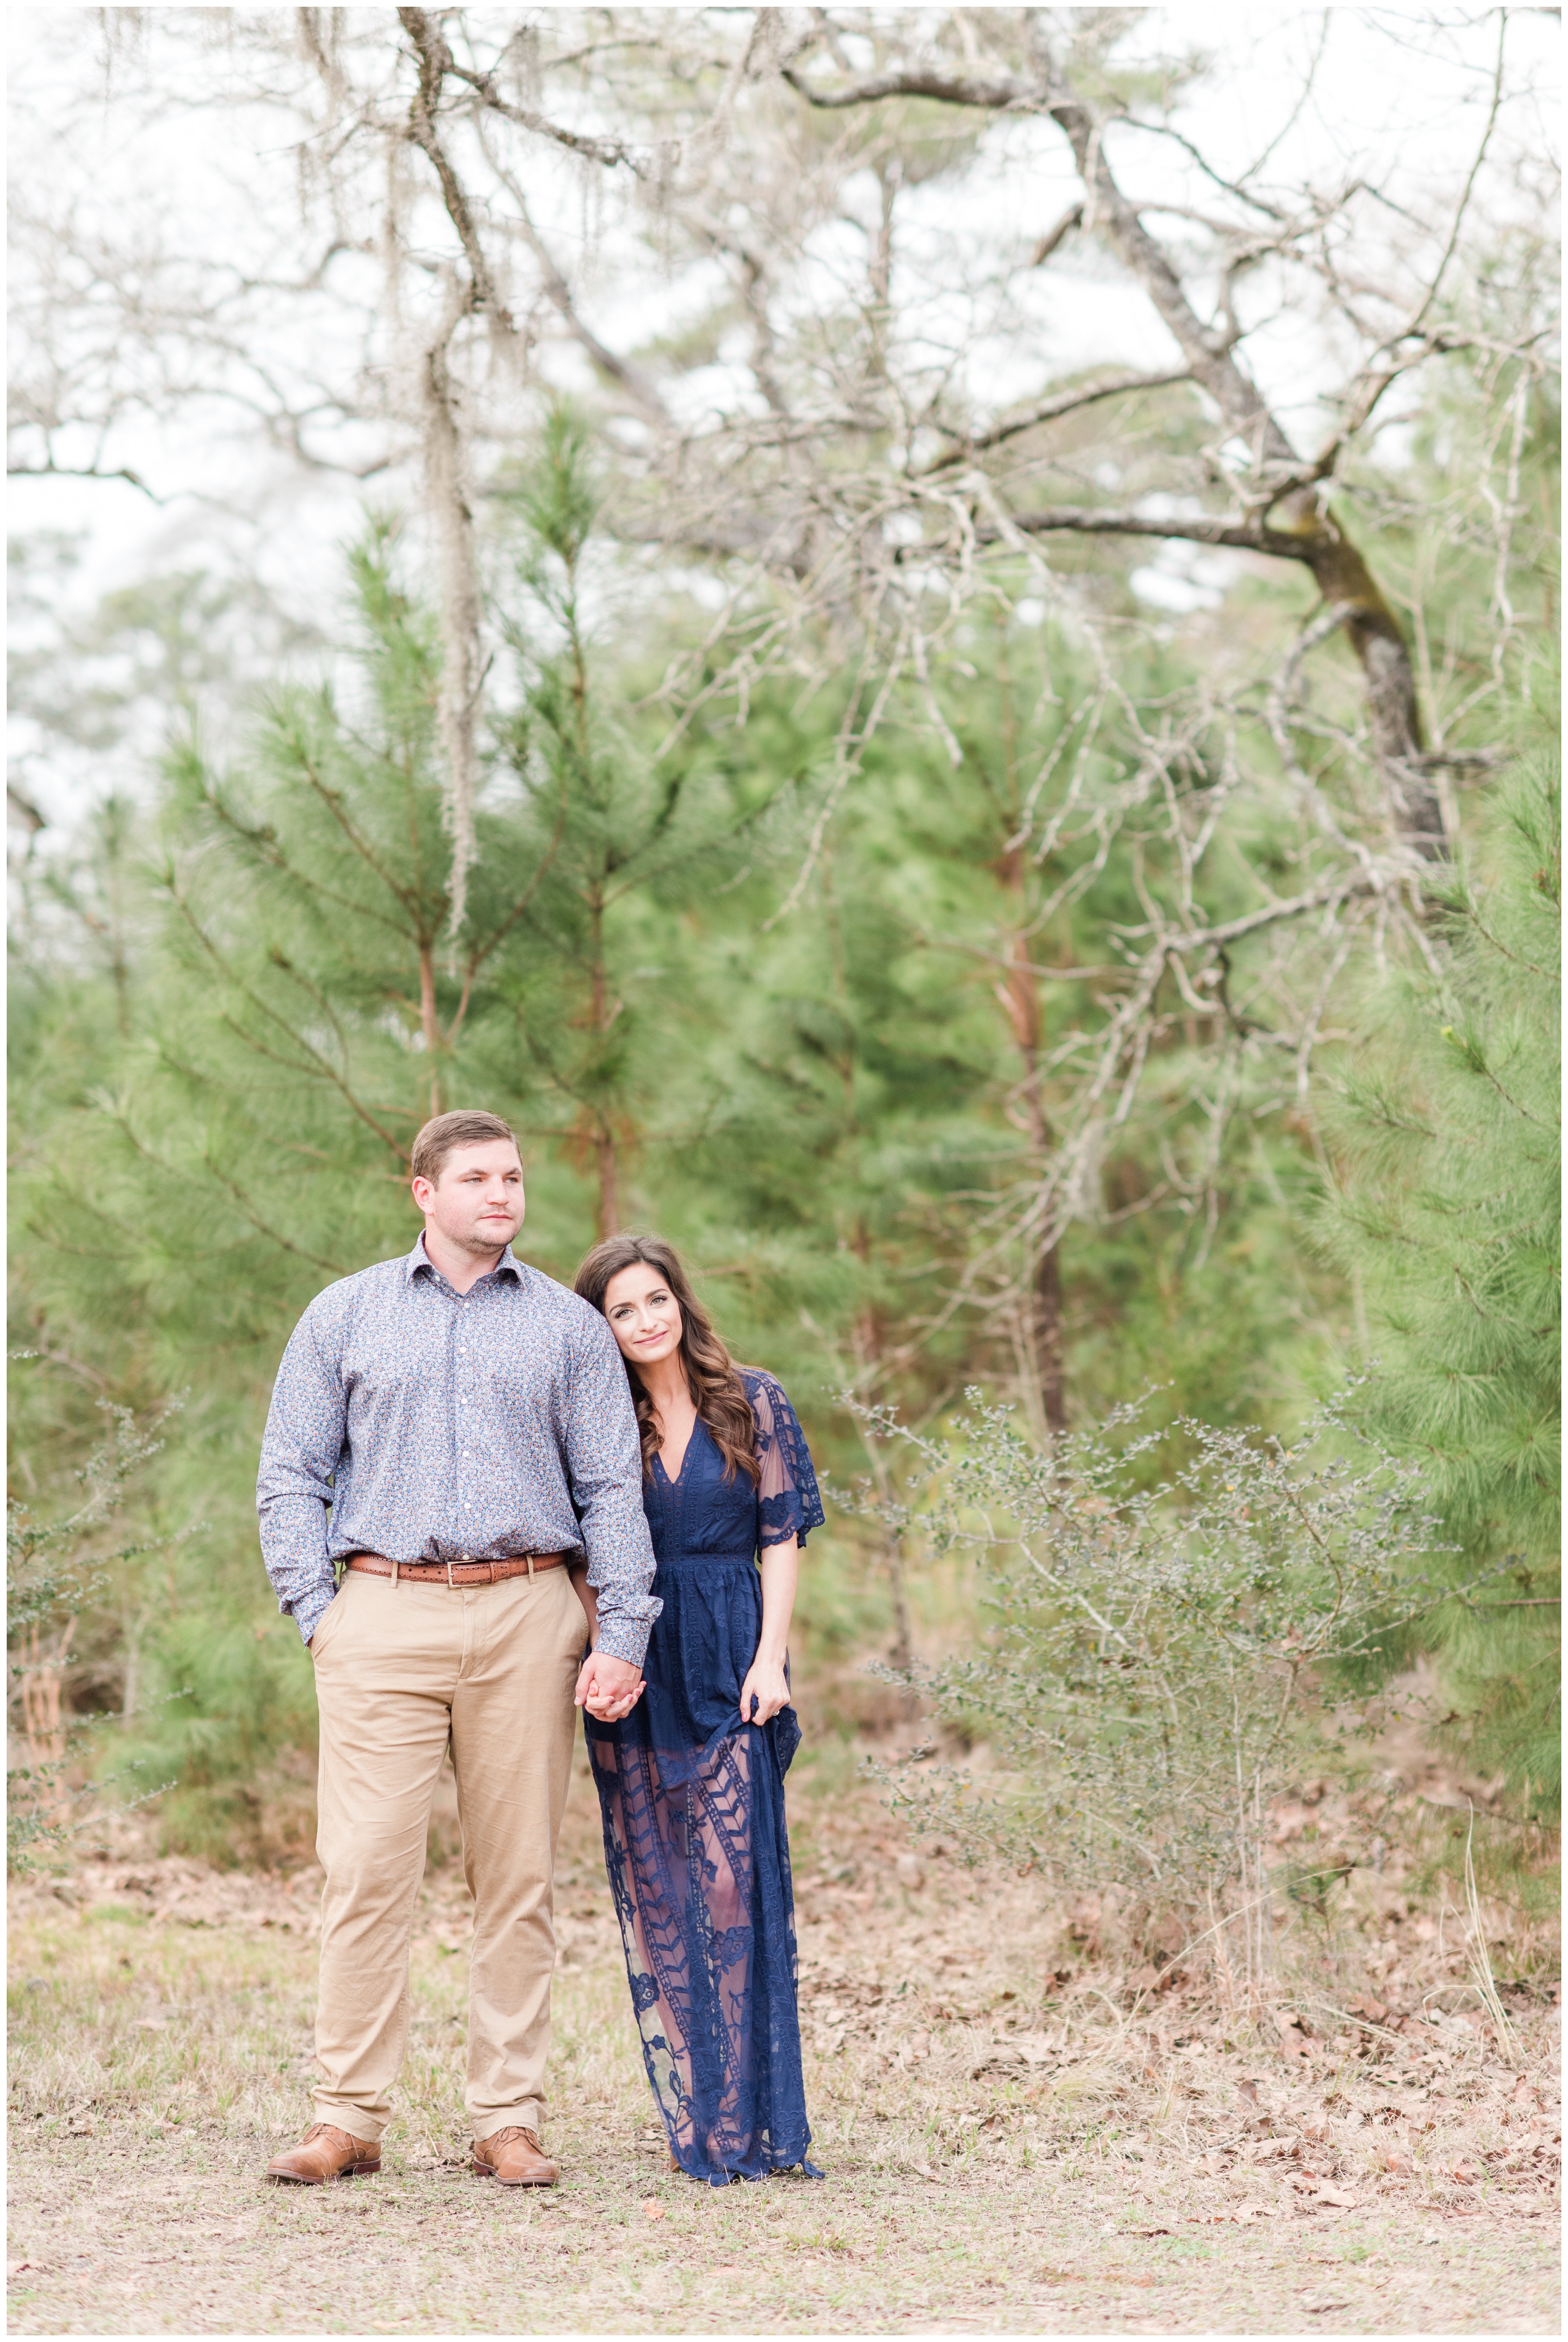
[1021, 2131]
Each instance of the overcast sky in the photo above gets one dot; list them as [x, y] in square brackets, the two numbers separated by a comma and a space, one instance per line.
[1400, 98]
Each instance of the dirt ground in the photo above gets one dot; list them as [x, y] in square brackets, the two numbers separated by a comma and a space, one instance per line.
[1018, 2136]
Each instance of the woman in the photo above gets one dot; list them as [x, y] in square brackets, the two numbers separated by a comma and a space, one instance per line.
[691, 1781]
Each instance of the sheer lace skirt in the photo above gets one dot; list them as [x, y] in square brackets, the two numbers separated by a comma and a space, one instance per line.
[698, 1858]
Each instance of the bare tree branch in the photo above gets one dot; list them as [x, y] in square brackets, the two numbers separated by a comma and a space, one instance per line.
[1050, 410]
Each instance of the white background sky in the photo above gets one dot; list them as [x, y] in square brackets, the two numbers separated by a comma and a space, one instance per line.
[1400, 99]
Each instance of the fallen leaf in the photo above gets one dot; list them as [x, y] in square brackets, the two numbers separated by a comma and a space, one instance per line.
[654, 2211]
[1340, 2197]
[1034, 2049]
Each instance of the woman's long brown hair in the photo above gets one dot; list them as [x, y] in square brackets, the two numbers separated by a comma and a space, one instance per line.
[713, 1379]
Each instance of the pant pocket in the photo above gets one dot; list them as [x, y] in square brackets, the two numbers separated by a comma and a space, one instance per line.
[331, 1620]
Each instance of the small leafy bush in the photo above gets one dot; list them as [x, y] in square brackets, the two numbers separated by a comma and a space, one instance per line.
[1162, 1603]
[57, 1570]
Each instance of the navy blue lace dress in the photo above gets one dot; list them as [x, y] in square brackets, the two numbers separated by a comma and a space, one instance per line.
[694, 1811]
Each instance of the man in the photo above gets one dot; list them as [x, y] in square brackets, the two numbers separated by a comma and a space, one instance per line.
[454, 1430]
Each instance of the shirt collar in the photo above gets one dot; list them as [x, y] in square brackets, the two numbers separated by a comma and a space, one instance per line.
[417, 1259]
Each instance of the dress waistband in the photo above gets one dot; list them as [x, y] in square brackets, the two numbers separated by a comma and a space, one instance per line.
[707, 1561]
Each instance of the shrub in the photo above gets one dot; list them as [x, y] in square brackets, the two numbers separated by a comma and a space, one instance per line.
[1160, 1603]
[58, 1572]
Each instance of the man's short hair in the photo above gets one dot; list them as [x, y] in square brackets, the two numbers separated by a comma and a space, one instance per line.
[446, 1132]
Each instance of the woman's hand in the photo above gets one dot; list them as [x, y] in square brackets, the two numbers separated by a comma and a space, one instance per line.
[608, 1688]
[767, 1686]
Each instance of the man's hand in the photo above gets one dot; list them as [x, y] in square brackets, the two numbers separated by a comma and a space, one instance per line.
[608, 1688]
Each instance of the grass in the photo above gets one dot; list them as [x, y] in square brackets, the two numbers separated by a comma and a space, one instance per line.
[1017, 2135]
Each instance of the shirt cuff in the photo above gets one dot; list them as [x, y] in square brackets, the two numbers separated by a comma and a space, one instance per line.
[312, 1608]
[624, 1638]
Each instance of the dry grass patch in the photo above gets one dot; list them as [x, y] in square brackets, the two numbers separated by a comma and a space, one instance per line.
[1018, 2135]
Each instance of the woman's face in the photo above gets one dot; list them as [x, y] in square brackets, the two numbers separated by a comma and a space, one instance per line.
[644, 1314]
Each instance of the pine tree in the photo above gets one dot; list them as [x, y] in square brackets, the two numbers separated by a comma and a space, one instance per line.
[1446, 1209]
[241, 1095]
[608, 999]
[892, 1064]
[289, 1004]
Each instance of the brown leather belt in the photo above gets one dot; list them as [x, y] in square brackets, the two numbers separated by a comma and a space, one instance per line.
[456, 1573]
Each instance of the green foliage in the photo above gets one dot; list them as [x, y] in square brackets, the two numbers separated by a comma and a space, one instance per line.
[895, 1057]
[824, 1006]
[1162, 1603]
[58, 1571]
[621, 849]
[1446, 1206]
[289, 1016]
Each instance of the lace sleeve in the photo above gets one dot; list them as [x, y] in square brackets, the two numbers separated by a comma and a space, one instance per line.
[788, 1504]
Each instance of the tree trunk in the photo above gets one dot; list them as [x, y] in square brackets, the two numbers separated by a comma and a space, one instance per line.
[607, 1211]
[601, 1016]
[1048, 1338]
[1343, 578]
[1019, 994]
[866, 1342]
[1377, 638]
[430, 1022]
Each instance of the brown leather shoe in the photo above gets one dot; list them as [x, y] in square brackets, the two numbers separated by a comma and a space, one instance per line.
[326, 2153]
[515, 2157]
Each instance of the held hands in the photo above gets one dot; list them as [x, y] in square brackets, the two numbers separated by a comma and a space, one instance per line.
[608, 1688]
[764, 1691]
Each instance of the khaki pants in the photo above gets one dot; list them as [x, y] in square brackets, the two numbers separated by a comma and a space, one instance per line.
[399, 1670]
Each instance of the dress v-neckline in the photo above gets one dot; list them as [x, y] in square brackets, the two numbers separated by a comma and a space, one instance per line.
[685, 1456]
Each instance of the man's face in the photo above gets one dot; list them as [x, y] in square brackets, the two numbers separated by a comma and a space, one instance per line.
[477, 1201]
